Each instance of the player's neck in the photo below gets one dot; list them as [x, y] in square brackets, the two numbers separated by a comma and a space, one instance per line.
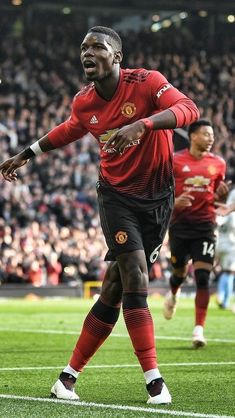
[107, 87]
[196, 153]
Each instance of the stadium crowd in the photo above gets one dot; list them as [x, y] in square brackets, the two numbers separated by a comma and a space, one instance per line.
[49, 225]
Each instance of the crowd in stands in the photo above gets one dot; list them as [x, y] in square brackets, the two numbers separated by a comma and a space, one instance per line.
[49, 225]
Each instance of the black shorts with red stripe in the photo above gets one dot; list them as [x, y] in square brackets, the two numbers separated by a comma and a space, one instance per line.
[131, 224]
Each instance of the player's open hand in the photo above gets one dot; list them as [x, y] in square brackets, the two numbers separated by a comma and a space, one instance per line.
[223, 209]
[8, 168]
[125, 136]
[184, 200]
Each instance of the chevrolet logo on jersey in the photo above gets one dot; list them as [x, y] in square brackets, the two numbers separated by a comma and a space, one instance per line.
[197, 181]
[105, 137]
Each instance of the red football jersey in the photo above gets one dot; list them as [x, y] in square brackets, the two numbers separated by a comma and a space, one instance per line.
[145, 168]
[201, 178]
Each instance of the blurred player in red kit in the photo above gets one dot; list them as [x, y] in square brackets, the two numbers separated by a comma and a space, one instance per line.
[199, 177]
[132, 114]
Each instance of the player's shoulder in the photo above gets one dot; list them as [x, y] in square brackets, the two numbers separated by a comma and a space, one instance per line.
[85, 91]
[135, 75]
[181, 155]
[216, 158]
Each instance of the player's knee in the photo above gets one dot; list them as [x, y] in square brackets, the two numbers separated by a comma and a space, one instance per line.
[135, 278]
[111, 291]
[202, 277]
[112, 294]
[134, 272]
[176, 281]
[134, 300]
[180, 272]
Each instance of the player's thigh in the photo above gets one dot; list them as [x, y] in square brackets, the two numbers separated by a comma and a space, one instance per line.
[203, 250]
[120, 226]
[180, 250]
[154, 225]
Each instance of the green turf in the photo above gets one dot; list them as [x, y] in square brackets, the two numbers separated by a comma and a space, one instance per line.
[196, 389]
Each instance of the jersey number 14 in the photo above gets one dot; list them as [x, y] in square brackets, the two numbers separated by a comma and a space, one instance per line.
[208, 248]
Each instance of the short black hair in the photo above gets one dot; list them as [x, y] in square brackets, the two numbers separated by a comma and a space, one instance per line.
[196, 125]
[114, 37]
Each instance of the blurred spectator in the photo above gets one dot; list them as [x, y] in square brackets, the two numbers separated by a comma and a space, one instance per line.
[35, 274]
[53, 269]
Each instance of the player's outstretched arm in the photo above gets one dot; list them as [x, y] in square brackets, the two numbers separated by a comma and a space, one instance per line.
[223, 209]
[128, 133]
[8, 168]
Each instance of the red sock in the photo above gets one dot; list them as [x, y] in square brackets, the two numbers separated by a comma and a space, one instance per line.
[201, 305]
[139, 324]
[96, 328]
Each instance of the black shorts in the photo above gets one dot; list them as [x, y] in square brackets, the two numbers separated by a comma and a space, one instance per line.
[192, 241]
[128, 228]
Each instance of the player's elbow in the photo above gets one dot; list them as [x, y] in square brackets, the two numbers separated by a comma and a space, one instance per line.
[191, 111]
[195, 113]
[186, 112]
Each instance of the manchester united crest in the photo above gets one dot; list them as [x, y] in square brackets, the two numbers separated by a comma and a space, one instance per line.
[121, 237]
[212, 169]
[128, 110]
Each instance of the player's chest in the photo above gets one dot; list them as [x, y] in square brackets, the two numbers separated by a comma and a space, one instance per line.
[102, 116]
[196, 174]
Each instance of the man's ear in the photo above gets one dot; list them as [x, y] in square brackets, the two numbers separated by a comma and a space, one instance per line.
[117, 57]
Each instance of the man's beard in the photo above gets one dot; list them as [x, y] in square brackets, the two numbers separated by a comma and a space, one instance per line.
[97, 77]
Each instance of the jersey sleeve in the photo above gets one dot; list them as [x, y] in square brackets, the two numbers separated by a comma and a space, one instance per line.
[221, 173]
[68, 131]
[166, 96]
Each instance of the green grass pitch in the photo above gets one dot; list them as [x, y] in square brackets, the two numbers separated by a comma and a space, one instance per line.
[37, 338]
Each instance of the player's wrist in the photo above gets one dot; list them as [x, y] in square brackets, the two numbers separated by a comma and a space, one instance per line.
[32, 151]
[36, 149]
[27, 153]
[148, 124]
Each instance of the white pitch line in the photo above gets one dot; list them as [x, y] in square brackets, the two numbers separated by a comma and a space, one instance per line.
[115, 407]
[119, 366]
[40, 331]
[60, 332]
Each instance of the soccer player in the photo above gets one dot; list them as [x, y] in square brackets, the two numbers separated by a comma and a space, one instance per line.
[132, 114]
[199, 177]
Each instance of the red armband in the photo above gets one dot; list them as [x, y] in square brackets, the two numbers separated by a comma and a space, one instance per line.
[148, 124]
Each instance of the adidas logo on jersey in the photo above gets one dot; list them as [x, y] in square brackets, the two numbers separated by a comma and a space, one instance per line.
[94, 120]
[186, 168]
